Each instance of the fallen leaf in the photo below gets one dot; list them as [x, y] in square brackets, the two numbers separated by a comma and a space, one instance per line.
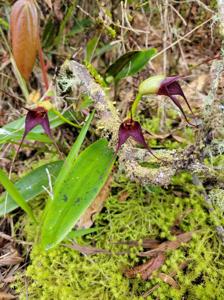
[123, 196]
[157, 136]
[168, 279]
[182, 266]
[86, 220]
[169, 245]
[87, 250]
[10, 258]
[145, 270]
[6, 296]
[146, 243]
[179, 139]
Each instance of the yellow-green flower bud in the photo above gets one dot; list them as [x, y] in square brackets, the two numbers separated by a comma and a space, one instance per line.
[151, 85]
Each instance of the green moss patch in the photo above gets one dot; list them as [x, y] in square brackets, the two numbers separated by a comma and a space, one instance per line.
[148, 212]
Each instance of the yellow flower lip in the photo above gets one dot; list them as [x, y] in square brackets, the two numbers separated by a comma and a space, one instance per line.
[46, 104]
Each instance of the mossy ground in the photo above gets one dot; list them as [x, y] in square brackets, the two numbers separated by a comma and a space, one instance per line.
[148, 212]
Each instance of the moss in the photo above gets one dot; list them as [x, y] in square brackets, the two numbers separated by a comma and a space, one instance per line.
[148, 212]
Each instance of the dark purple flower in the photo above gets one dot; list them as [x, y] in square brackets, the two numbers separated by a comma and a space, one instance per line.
[131, 128]
[37, 116]
[34, 117]
[167, 86]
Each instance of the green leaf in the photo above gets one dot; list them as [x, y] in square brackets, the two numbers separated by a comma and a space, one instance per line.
[4, 24]
[130, 63]
[73, 154]
[15, 194]
[31, 185]
[91, 48]
[72, 196]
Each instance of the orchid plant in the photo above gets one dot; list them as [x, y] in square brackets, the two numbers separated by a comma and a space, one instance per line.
[155, 85]
[77, 182]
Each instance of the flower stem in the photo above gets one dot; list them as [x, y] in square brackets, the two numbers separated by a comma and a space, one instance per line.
[135, 104]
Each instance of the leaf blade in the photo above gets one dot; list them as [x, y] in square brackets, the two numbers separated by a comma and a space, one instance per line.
[73, 154]
[31, 185]
[88, 176]
[130, 63]
[15, 194]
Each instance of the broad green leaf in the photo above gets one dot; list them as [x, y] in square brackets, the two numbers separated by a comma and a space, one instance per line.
[91, 48]
[79, 188]
[73, 154]
[120, 63]
[130, 63]
[31, 185]
[15, 194]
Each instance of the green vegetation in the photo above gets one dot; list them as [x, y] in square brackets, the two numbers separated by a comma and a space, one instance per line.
[89, 90]
[149, 212]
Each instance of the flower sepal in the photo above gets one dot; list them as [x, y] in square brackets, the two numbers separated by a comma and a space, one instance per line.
[131, 128]
[167, 86]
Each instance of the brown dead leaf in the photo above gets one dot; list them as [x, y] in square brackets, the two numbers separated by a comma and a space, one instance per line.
[157, 136]
[24, 29]
[182, 266]
[10, 258]
[168, 279]
[87, 250]
[150, 244]
[179, 139]
[169, 245]
[6, 296]
[145, 270]
[123, 196]
[146, 243]
[86, 220]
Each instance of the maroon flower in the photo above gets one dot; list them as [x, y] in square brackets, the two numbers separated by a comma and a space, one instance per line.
[34, 117]
[131, 128]
[167, 86]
